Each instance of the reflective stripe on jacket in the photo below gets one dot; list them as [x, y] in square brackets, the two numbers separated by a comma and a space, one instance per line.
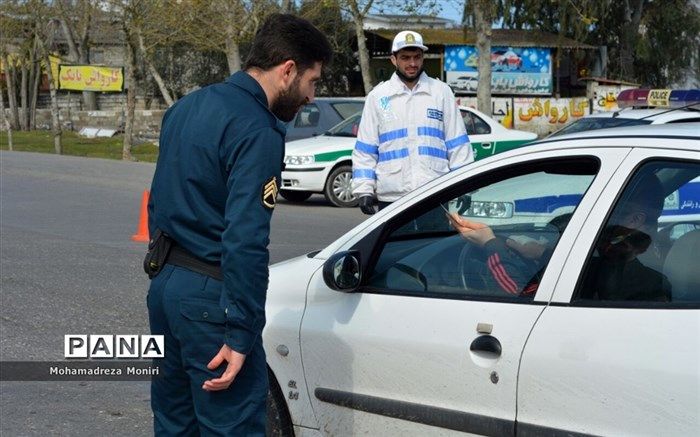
[407, 138]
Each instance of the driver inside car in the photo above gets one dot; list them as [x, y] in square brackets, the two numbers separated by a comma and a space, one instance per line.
[614, 272]
[508, 259]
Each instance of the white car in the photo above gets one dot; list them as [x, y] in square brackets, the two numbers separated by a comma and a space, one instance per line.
[640, 108]
[323, 164]
[465, 83]
[403, 327]
[629, 117]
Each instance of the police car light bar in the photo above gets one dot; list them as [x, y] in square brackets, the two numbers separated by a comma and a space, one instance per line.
[658, 98]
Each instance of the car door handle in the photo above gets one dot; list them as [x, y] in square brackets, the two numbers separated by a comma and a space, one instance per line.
[485, 145]
[487, 344]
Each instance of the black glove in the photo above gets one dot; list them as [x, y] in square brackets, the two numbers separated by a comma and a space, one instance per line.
[367, 204]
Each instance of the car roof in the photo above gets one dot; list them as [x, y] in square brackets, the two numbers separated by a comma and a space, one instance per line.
[647, 113]
[339, 99]
[689, 131]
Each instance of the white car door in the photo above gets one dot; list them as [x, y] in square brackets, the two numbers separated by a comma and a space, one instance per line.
[623, 357]
[431, 342]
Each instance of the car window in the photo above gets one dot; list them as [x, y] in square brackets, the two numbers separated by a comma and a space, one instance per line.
[685, 120]
[308, 116]
[480, 126]
[347, 127]
[346, 109]
[526, 209]
[474, 124]
[647, 250]
[594, 123]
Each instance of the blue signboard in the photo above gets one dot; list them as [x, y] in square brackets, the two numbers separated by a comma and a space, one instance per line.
[514, 70]
[684, 201]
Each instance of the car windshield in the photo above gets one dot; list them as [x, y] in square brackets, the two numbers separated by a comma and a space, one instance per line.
[348, 109]
[594, 123]
[347, 127]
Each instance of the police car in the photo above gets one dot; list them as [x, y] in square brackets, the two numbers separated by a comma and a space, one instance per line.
[399, 327]
[640, 107]
[323, 164]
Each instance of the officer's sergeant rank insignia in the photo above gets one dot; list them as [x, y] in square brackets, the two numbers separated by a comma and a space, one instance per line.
[269, 192]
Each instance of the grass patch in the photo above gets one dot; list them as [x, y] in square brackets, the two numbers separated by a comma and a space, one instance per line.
[73, 144]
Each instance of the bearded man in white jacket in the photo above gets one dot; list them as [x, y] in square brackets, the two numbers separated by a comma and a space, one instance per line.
[411, 130]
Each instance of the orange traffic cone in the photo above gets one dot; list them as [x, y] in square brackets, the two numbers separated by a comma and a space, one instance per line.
[141, 234]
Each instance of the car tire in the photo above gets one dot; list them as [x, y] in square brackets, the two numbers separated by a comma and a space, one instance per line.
[279, 422]
[338, 189]
[295, 196]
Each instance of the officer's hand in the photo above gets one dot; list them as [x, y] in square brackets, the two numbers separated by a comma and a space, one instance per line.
[235, 362]
[367, 205]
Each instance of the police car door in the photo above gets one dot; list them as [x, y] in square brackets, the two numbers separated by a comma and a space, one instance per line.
[626, 364]
[430, 342]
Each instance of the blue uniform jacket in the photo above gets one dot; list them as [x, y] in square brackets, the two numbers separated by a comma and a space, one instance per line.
[219, 165]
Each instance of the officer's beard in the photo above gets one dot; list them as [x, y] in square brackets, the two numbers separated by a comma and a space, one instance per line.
[288, 103]
[409, 80]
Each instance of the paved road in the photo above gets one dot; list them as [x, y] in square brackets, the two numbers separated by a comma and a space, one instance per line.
[67, 266]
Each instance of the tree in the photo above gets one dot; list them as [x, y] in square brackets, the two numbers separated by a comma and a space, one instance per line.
[77, 20]
[27, 30]
[651, 46]
[629, 33]
[222, 25]
[4, 120]
[327, 16]
[483, 18]
[358, 10]
[10, 78]
[664, 53]
[129, 11]
[644, 39]
[22, 58]
[150, 31]
[46, 29]
[55, 119]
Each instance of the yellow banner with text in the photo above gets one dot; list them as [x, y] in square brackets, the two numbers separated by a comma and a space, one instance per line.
[90, 78]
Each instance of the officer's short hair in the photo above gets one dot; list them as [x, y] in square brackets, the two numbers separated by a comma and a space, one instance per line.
[286, 37]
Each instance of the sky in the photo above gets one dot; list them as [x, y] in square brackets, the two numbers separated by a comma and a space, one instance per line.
[451, 10]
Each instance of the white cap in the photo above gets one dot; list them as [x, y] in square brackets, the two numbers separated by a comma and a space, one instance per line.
[406, 39]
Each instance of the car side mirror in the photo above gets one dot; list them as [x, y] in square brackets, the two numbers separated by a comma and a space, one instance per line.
[342, 271]
[464, 202]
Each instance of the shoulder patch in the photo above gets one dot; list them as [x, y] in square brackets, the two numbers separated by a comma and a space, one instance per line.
[269, 192]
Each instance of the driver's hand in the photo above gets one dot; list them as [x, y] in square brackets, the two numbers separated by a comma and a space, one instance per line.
[474, 232]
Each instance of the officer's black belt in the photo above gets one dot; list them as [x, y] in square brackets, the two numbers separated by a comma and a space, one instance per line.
[181, 257]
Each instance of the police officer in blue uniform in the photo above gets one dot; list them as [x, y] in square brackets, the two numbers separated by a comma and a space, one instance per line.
[212, 197]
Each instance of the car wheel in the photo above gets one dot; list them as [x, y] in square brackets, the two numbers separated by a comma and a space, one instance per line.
[295, 196]
[338, 188]
[279, 422]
